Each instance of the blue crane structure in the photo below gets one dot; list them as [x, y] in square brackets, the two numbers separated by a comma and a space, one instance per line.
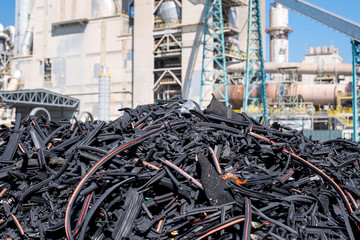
[356, 76]
[342, 25]
[254, 72]
[213, 71]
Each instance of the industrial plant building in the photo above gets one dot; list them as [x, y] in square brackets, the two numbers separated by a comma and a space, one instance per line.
[113, 54]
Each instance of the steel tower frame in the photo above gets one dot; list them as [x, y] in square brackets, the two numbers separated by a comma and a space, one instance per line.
[255, 72]
[213, 71]
[355, 81]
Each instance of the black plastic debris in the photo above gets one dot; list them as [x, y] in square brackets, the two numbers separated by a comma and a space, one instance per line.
[171, 171]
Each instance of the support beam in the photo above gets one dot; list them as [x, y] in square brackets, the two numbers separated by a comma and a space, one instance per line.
[38, 97]
[332, 20]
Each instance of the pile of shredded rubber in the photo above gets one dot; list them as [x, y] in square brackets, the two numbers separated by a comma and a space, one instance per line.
[171, 171]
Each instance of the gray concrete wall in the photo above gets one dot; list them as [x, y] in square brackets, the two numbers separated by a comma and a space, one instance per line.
[192, 50]
[76, 53]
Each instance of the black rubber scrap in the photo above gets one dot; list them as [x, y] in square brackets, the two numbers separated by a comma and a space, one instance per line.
[215, 188]
[172, 171]
[132, 206]
[11, 146]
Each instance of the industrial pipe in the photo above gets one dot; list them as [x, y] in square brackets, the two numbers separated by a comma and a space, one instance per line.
[22, 10]
[10, 31]
[34, 111]
[3, 37]
[11, 83]
[236, 94]
[27, 42]
[318, 94]
[300, 68]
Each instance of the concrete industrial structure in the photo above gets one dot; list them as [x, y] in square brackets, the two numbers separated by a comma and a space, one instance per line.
[66, 43]
[278, 31]
[152, 49]
[111, 54]
[8, 81]
[312, 94]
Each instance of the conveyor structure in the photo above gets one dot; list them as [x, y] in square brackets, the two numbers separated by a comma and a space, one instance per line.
[59, 106]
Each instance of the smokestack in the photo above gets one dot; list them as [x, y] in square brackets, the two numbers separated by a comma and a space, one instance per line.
[278, 31]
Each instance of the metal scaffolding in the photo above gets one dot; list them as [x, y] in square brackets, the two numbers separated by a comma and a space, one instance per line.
[5, 60]
[356, 76]
[213, 72]
[167, 65]
[255, 72]
[38, 97]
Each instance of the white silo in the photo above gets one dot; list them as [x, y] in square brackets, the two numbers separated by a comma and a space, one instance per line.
[278, 31]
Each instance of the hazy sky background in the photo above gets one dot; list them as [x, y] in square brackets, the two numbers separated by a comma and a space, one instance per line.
[305, 33]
